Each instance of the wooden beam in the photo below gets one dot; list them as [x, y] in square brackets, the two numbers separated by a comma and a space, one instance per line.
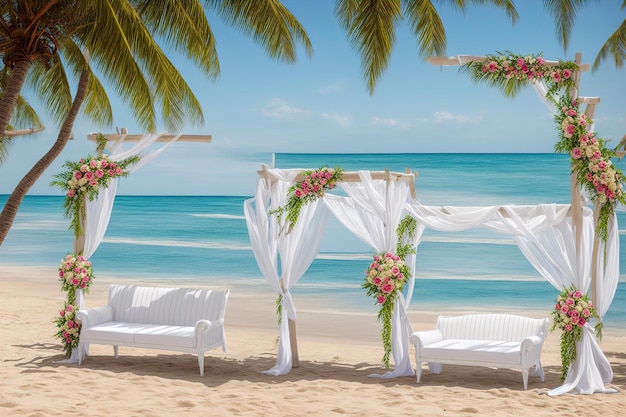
[463, 59]
[353, 176]
[162, 138]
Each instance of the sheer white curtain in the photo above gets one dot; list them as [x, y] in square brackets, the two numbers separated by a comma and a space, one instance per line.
[296, 249]
[552, 251]
[98, 211]
[545, 235]
[372, 211]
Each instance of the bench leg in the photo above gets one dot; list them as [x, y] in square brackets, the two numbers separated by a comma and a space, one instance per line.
[201, 363]
[418, 371]
[115, 350]
[539, 372]
[525, 378]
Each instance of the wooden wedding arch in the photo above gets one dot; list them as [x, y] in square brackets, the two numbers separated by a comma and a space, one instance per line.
[574, 211]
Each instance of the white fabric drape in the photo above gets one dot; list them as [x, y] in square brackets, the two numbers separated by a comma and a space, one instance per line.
[372, 211]
[98, 211]
[296, 248]
[545, 235]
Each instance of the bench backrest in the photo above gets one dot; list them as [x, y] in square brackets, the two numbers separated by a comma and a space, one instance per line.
[167, 306]
[501, 327]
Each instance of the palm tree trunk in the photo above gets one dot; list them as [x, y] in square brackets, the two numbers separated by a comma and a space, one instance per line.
[15, 199]
[12, 92]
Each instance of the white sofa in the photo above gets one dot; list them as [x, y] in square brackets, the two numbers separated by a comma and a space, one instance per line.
[492, 340]
[187, 320]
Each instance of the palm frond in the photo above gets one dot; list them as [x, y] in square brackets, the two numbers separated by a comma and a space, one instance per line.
[184, 27]
[96, 105]
[269, 23]
[111, 53]
[371, 31]
[51, 85]
[427, 27]
[177, 101]
[615, 45]
[564, 13]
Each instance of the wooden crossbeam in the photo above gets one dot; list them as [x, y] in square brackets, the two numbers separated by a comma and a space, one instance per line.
[137, 137]
[462, 59]
[353, 176]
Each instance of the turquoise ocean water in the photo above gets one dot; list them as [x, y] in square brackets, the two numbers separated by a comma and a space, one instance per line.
[205, 239]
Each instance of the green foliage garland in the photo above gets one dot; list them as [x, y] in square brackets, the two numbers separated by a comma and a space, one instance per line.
[571, 313]
[591, 162]
[312, 187]
[84, 179]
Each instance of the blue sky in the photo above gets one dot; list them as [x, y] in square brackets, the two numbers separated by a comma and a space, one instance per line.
[321, 104]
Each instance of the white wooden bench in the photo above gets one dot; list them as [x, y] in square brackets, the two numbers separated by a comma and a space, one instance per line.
[492, 340]
[187, 320]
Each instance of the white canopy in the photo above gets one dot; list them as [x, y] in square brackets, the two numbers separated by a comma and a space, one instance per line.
[546, 235]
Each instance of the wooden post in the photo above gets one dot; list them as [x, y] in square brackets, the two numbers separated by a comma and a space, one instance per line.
[293, 340]
[294, 344]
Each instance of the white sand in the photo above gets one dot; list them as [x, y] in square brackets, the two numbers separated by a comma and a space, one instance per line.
[337, 353]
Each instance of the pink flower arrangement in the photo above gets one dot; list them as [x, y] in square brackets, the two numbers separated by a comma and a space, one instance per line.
[590, 161]
[571, 313]
[84, 179]
[384, 280]
[524, 68]
[68, 328]
[75, 273]
[309, 189]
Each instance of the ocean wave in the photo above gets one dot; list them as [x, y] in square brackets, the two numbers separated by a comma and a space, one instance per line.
[344, 256]
[219, 216]
[178, 244]
[41, 225]
[457, 239]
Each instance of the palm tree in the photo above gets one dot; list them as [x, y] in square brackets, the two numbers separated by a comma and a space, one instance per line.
[565, 11]
[41, 39]
[371, 26]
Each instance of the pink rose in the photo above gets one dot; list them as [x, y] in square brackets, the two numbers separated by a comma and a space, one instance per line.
[582, 322]
[395, 270]
[567, 73]
[381, 299]
[568, 327]
[99, 173]
[586, 312]
[565, 308]
[387, 288]
[576, 153]
[492, 66]
[89, 175]
[577, 294]
[71, 193]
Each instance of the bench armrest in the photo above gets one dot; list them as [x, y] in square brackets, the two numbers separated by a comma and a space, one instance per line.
[531, 342]
[209, 332]
[95, 315]
[425, 338]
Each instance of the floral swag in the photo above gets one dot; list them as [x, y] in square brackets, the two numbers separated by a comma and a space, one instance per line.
[312, 187]
[84, 179]
[385, 278]
[81, 180]
[572, 312]
[590, 158]
[75, 273]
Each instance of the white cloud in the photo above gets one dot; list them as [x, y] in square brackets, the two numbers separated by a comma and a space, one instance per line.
[444, 116]
[280, 109]
[388, 122]
[335, 87]
[340, 119]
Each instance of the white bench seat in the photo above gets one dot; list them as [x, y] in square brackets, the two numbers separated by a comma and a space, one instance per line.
[180, 319]
[491, 340]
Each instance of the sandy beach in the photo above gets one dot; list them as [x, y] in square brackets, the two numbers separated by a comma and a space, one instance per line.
[337, 353]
